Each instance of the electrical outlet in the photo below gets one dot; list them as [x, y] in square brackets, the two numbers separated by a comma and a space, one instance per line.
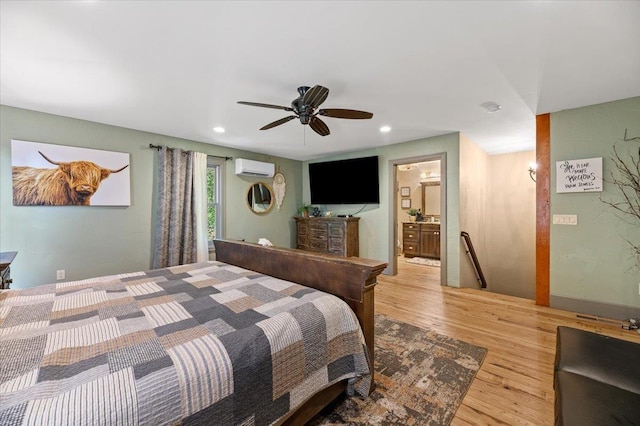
[60, 274]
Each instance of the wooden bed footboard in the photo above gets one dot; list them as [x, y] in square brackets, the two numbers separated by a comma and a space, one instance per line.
[353, 279]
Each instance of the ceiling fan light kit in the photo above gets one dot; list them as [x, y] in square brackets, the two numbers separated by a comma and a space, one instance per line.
[305, 108]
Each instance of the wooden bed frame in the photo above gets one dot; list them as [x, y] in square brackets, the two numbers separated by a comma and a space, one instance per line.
[352, 279]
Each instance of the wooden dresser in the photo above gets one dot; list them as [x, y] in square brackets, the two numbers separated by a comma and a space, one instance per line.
[421, 239]
[5, 268]
[333, 235]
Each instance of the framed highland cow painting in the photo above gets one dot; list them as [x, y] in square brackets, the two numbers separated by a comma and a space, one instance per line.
[57, 175]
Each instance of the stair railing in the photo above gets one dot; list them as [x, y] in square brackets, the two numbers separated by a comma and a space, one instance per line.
[474, 259]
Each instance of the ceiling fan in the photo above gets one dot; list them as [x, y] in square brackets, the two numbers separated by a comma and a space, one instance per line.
[305, 108]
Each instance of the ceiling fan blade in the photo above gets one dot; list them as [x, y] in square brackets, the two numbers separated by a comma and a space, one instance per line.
[319, 126]
[345, 113]
[265, 105]
[278, 122]
[315, 96]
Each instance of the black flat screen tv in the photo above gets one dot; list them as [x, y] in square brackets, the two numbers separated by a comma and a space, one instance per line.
[352, 181]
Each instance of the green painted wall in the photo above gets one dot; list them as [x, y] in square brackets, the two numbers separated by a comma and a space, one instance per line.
[589, 262]
[93, 241]
[592, 262]
[375, 219]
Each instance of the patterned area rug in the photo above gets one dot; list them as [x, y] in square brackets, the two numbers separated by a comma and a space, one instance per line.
[421, 378]
[423, 261]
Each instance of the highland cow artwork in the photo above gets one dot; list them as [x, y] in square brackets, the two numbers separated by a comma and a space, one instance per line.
[57, 175]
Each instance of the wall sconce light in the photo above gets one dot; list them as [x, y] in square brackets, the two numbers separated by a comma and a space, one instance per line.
[532, 170]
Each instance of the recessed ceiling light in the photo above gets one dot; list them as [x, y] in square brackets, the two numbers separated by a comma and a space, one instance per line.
[218, 129]
[491, 106]
[385, 129]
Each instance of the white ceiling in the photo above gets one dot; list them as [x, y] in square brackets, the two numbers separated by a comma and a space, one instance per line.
[423, 68]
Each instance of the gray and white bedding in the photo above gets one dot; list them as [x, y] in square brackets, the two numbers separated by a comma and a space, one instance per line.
[205, 343]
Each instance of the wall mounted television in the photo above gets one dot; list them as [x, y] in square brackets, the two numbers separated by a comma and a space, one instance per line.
[351, 181]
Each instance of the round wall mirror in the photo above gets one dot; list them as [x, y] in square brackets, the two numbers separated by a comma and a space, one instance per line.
[260, 198]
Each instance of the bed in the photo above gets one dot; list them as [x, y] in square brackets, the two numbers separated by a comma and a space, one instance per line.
[250, 338]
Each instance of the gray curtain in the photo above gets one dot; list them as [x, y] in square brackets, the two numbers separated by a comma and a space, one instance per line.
[175, 242]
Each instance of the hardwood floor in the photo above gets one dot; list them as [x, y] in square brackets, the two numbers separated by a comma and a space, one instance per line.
[515, 383]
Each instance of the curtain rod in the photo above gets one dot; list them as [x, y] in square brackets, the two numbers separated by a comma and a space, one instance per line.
[157, 147]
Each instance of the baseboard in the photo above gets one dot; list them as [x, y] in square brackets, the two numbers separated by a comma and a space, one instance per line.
[599, 309]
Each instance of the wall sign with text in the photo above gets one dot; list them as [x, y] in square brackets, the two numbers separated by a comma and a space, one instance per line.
[579, 175]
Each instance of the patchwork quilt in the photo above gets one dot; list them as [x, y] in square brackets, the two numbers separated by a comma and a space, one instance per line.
[206, 343]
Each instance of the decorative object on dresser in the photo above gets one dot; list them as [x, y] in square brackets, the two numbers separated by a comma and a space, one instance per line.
[421, 239]
[333, 235]
[304, 209]
[5, 268]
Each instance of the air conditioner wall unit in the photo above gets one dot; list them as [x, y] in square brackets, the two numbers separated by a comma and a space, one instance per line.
[246, 167]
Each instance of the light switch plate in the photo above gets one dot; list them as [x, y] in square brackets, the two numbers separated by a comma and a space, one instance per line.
[565, 219]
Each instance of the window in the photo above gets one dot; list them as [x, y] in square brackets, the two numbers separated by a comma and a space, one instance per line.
[214, 198]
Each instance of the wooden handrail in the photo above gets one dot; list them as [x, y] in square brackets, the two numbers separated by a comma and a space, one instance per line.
[474, 259]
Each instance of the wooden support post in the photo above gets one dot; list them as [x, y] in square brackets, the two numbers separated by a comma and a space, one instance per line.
[543, 207]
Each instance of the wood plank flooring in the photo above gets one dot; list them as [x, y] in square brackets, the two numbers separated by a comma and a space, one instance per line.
[515, 383]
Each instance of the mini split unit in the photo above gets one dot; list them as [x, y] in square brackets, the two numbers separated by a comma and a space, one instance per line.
[246, 167]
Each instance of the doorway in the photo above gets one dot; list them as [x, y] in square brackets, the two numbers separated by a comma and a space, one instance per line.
[418, 228]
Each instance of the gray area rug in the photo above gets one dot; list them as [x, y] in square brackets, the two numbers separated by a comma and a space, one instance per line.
[421, 379]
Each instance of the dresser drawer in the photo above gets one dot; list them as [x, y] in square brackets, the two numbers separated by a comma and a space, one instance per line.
[411, 236]
[318, 244]
[336, 244]
[336, 231]
[322, 236]
[303, 229]
[316, 227]
[303, 241]
[318, 238]
[411, 249]
[411, 227]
